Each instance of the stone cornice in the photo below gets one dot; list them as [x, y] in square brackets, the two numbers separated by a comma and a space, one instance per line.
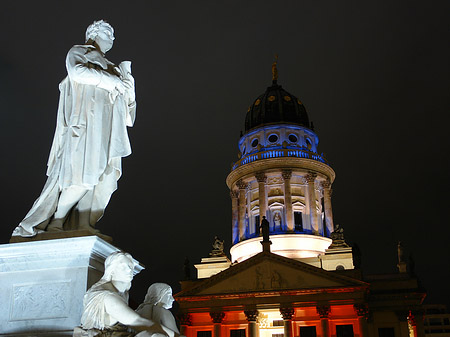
[278, 164]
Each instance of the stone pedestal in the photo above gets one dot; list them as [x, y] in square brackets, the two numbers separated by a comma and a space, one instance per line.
[210, 266]
[43, 283]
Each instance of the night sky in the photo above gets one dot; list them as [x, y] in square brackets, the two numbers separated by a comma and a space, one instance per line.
[373, 76]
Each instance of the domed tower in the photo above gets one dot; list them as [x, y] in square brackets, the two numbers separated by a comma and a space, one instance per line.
[281, 176]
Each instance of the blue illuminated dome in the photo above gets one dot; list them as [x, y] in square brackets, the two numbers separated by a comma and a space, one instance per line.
[276, 106]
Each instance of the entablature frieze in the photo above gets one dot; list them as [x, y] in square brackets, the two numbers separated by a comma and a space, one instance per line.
[298, 165]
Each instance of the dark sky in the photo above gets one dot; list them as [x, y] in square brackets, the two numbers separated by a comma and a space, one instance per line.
[373, 75]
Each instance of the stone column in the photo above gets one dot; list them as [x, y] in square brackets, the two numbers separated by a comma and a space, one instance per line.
[416, 320]
[234, 216]
[261, 178]
[310, 178]
[251, 316]
[287, 314]
[324, 312]
[326, 185]
[185, 321]
[287, 174]
[217, 318]
[362, 310]
[242, 189]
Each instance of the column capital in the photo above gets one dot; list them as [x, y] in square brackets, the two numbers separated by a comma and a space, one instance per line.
[309, 178]
[234, 194]
[286, 174]
[241, 185]
[185, 318]
[414, 316]
[287, 313]
[261, 177]
[217, 317]
[251, 315]
[323, 311]
[326, 184]
[362, 310]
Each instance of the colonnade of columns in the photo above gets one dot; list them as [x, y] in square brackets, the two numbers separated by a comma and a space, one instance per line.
[240, 203]
[287, 313]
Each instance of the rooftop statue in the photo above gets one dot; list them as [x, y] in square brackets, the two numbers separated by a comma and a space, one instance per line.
[156, 307]
[96, 104]
[217, 247]
[106, 311]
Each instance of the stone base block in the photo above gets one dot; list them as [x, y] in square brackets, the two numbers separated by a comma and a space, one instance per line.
[42, 283]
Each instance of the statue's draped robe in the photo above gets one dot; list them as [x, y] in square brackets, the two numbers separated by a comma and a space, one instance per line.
[90, 139]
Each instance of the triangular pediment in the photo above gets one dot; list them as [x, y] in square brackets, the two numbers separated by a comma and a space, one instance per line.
[267, 272]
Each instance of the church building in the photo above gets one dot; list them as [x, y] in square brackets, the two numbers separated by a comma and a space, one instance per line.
[291, 273]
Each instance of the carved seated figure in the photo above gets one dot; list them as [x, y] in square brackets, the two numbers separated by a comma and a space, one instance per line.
[106, 311]
[156, 307]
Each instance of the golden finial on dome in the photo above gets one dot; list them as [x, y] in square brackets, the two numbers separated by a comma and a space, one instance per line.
[275, 70]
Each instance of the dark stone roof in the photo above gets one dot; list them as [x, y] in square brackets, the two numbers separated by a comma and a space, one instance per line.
[276, 106]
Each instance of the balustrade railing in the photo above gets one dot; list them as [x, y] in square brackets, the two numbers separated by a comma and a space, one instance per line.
[276, 153]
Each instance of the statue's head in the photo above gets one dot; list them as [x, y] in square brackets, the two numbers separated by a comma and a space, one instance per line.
[102, 33]
[119, 266]
[159, 293]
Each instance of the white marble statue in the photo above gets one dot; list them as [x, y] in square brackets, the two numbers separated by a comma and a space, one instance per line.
[105, 305]
[96, 104]
[156, 306]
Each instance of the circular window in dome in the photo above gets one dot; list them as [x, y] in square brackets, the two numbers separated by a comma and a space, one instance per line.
[299, 102]
[257, 101]
[293, 138]
[271, 98]
[273, 138]
[287, 98]
[255, 142]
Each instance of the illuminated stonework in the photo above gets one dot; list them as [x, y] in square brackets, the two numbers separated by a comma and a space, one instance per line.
[284, 244]
[301, 278]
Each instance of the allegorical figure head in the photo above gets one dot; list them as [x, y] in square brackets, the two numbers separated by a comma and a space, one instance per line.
[159, 293]
[156, 305]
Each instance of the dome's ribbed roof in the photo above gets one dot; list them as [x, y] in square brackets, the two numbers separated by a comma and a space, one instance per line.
[276, 106]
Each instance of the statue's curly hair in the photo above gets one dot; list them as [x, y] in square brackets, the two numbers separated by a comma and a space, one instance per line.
[94, 28]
